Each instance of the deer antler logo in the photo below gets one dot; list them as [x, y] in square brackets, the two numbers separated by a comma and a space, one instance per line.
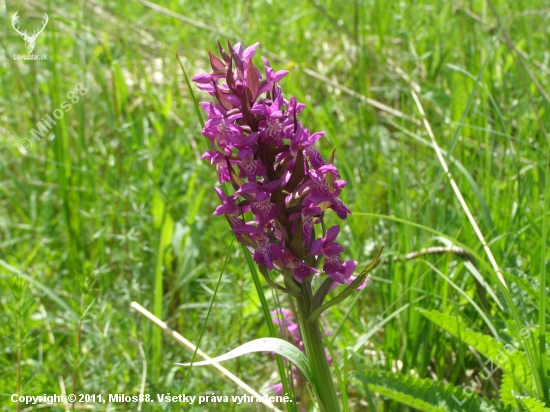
[30, 41]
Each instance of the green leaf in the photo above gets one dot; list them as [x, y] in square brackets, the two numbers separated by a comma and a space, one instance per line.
[195, 101]
[532, 405]
[426, 394]
[507, 385]
[279, 346]
[507, 357]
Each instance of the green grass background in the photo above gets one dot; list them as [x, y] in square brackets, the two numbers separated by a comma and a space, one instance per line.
[115, 205]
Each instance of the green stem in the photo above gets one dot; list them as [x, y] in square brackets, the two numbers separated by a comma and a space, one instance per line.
[315, 353]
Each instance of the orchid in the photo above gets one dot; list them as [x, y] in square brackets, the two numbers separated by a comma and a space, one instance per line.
[286, 185]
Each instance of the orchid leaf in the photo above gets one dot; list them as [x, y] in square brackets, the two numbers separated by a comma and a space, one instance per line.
[279, 346]
[321, 293]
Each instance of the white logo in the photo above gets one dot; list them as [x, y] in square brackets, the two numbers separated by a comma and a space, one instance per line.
[30, 41]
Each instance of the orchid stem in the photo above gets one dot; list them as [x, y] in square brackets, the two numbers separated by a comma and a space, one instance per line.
[315, 352]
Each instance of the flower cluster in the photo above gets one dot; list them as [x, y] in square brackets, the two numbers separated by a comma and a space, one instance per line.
[270, 159]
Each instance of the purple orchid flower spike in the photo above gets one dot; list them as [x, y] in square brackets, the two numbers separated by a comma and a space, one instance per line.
[281, 176]
[283, 181]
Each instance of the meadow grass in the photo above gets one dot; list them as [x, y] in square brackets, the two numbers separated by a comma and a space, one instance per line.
[114, 205]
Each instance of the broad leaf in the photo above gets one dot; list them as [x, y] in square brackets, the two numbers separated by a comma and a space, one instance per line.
[510, 360]
[507, 385]
[279, 346]
[427, 395]
[532, 405]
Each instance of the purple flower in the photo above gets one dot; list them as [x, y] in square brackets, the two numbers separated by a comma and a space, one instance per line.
[326, 246]
[247, 54]
[340, 208]
[301, 139]
[293, 108]
[271, 77]
[265, 252]
[300, 270]
[349, 281]
[320, 190]
[230, 208]
[278, 387]
[263, 208]
[221, 132]
[218, 159]
[289, 325]
[259, 145]
[249, 166]
[308, 214]
[271, 130]
[333, 266]
[337, 270]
